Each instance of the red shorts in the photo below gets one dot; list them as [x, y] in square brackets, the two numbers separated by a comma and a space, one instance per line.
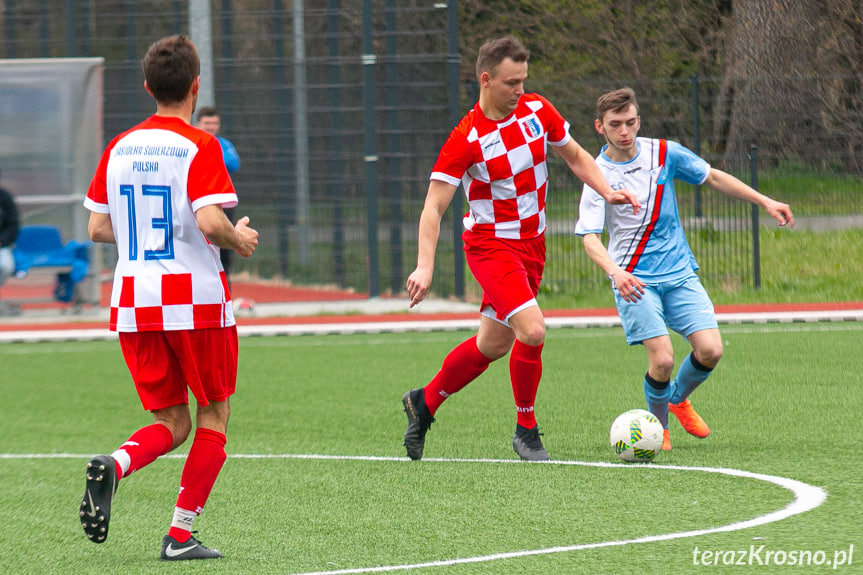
[166, 364]
[508, 271]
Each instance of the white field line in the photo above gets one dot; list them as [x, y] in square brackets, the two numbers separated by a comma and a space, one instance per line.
[808, 317]
[806, 498]
[376, 337]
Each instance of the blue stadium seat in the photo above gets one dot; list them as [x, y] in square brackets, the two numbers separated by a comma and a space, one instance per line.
[42, 246]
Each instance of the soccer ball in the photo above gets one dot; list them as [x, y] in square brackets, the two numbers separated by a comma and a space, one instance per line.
[636, 435]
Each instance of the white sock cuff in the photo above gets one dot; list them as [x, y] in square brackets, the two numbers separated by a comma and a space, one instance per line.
[183, 518]
[123, 459]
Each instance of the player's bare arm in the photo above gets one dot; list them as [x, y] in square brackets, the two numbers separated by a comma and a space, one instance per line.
[214, 224]
[101, 229]
[733, 187]
[628, 286]
[437, 201]
[585, 169]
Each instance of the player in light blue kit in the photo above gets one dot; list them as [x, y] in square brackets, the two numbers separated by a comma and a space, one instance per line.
[648, 259]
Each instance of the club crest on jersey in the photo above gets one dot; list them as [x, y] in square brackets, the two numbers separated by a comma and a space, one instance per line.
[532, 127]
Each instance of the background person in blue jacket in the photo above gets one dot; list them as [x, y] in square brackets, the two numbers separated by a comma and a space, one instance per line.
[209, 121]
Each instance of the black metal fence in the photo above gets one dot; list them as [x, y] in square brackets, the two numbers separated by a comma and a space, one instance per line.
[383, 89]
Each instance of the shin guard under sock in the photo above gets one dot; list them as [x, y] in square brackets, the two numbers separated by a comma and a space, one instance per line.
[205, 460]
[142, 449]
[525, 371]
[657, 394]
[463, 365]
[690, 375]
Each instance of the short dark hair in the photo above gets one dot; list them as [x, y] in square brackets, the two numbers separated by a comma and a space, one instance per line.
[170, 66]
[207, 112]
[615, 101]
[495, 51]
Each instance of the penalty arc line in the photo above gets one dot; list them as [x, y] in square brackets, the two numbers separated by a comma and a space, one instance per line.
[806, 498]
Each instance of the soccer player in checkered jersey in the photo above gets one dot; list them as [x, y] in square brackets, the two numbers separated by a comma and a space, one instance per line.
[158, 194]
[648, 259]
[498, 153]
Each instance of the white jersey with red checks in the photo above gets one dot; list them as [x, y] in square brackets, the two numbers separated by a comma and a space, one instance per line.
[502, 166]
[151, 180]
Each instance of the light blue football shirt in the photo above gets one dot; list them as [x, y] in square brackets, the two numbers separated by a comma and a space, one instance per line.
[651, 244]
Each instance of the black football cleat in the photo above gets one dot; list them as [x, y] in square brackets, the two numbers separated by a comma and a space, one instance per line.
[191, 549]
[528, 445]
[419, 421]
[95, 511]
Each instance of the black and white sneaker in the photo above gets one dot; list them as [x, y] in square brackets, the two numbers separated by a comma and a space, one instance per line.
[95, 511]
[528, 445]
[419, 421]
[191, 549]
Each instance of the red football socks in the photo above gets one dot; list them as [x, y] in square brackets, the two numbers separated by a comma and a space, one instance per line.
[142, 449]
[525, 370]
[203, 465]
[463, 365]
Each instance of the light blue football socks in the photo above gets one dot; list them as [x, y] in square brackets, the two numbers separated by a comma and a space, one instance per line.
[657, 394]
[690, 375]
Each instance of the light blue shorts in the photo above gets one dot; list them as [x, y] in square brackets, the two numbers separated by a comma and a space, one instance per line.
[683, 306]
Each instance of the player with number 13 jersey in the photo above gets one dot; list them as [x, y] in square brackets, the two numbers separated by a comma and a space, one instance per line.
[158, 194]
[152, 179]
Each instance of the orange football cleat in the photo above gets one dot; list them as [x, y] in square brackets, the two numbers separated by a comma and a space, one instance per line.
[666, 440]
[689, 419]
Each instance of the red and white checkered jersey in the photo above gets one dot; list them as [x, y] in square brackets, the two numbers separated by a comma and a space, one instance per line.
[151, 180]
[502, 166]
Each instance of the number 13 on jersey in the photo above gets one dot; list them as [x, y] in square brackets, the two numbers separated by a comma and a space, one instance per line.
[162, 222]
